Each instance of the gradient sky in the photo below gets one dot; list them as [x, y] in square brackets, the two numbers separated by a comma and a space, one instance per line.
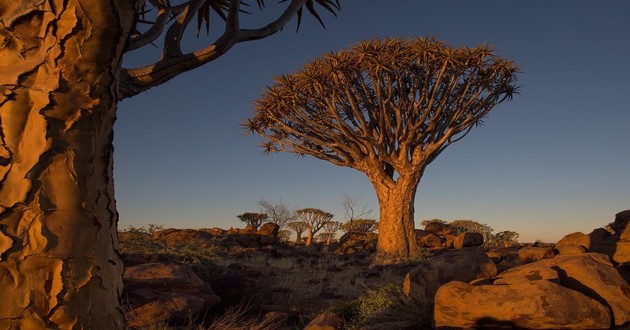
[553, 161]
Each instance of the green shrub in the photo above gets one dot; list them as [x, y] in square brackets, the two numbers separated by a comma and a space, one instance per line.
[386, 304]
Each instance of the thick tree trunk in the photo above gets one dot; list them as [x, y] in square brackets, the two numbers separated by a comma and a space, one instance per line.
[59, 265]
[396, 235]
[309, 236]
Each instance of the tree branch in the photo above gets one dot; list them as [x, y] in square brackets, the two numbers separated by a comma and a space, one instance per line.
[173, 63]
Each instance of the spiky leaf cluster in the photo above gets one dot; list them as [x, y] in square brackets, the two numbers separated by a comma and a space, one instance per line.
[383, 104]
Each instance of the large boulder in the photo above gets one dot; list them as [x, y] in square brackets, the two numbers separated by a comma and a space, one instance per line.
[427, 239]
[165, 292]
[590, 273]
[422, 282]
[269, 229]
[534, 253]
[468, 239]
[529, 305]
[581, 239]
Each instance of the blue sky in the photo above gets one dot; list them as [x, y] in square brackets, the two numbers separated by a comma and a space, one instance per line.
[553, 161]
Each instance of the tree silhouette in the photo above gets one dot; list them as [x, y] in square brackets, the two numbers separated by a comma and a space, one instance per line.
[253, 219]
[61, 77]
[387, 108]
[279, 212]
[315, 219]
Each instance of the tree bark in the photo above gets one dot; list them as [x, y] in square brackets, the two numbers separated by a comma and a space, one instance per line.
[309, 236]
[396, 229]
[298, 239]
[59, 64]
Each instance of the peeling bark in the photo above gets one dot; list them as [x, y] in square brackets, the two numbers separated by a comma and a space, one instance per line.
[59, 265]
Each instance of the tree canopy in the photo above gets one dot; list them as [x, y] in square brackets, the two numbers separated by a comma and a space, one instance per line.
[396, 102]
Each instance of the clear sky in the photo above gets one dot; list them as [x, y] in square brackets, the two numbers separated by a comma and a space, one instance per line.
[553, 161]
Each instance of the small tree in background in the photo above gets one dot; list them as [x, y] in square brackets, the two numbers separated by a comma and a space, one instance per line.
[330, 228]
[315, 219]
[253, 219]
[299, 227]
[360, 226]
[279, 212]
[387, 108]
[505, 239]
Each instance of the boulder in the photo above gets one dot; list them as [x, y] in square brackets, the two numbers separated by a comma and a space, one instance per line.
[620, 225]
[467, 239]
[465, 265]
[527, 273]
[427, 239]
[269, 229]
[249, 229]
[571, 249]
[617, 250]
[165, 292]
[351, 243]
[576, 238]
[579, 238]
[590, 273]
[530, 305]
[534, 253]
[438, 228]
[325, 321]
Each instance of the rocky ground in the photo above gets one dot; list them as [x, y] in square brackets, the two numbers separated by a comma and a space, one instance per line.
[249, 279]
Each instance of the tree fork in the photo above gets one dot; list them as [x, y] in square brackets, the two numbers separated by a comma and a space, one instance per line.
[59, 265]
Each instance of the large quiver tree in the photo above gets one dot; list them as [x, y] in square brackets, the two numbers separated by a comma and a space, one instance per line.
[387, 108]
[60, 81]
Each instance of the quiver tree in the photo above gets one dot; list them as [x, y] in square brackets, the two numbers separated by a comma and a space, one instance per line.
[387, 108]
[360, 226]
[330, 228]
[61, 77]
[299, 227]
[315, 219]
[253, 219]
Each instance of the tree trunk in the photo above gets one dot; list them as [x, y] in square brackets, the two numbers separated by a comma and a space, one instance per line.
[298, 239]
[59, 61]
[396, 228]
[309, 236]
[329, 238]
